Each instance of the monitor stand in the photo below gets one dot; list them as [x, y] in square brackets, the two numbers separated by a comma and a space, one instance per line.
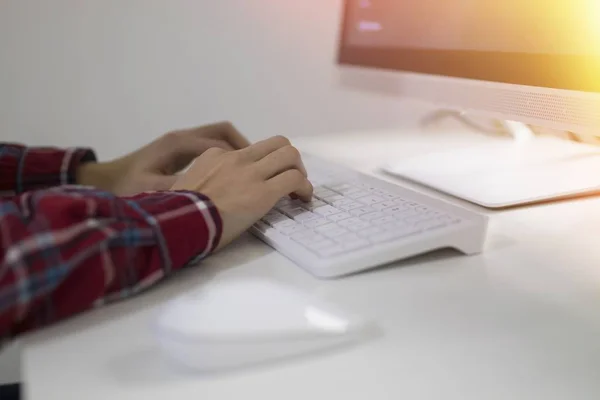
[526, 169]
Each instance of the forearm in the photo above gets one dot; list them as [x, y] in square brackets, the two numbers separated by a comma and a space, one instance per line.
[69, 249]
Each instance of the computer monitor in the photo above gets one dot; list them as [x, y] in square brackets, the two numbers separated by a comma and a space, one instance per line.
[533, 62]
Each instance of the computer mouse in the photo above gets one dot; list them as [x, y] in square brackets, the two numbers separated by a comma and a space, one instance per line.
[234, 324]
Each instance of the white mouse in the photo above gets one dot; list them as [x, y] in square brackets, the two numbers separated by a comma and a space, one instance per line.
[233, 324]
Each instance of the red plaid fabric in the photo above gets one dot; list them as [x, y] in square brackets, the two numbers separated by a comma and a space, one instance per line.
[66, 248]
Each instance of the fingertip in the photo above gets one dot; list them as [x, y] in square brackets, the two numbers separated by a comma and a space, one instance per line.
[307, 193]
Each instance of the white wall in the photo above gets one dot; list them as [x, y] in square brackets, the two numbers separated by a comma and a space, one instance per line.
[114, 74]
[117, 73]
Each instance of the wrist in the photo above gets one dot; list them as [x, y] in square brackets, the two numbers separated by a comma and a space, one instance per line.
[99, 175]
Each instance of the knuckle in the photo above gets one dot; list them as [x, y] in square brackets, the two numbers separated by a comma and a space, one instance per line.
[296, 176]
[282, 140]
[214, 151]
[224, 125]
[171, 136]
[231, 156]
[171, 139]
[292, 152]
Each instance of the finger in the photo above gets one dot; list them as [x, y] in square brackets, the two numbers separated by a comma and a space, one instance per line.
[221, 131]
[291, 181]
[261, 149]
[282, 159]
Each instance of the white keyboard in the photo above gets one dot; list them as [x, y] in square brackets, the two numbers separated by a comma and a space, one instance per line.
[358, 222]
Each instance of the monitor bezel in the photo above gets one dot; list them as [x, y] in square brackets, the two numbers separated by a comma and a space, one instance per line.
[564, 72]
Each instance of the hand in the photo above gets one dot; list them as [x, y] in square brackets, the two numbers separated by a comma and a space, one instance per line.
[153, 167]
[245, 184]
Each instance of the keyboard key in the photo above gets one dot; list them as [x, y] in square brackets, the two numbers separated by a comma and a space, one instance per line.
[357, 212]
[326, 211]
[396, 209]
[306, 216]
[339, 187]
[313, 205]
[366, 186]
[352, 205]
[347, 191]
[357, 194]
[389, 196]
[390, 226]
[306, 235]
[399, 201]
[387, 204]
[314, 223]
[276, 218]
[339, 216]
[349, 222]
[380, 192]
[262, 227]
[284, 224]
[370, 231]
[333, 199]
[409, 212]
[349, 237]
[384, 220]
[359, 226]
[283, 202]
[332, 233]
[414, 219]
[342, 202]
[372, 215]
[318, 190]
[370, 199]
[292, 211]
[324, 196]
[291, 229]
[382, 206]
[327, 227]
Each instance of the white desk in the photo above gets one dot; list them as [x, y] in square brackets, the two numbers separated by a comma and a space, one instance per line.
[521, 321]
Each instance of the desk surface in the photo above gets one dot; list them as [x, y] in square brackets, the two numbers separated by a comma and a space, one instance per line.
[520, 321]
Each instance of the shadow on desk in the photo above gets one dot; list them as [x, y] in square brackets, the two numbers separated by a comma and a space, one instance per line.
[149, 366]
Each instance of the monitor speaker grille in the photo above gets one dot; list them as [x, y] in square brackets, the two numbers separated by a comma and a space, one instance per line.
[573, 111]
[557, 109]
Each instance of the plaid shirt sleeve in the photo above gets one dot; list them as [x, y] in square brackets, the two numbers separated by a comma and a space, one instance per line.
[68, 249]
[29, 168]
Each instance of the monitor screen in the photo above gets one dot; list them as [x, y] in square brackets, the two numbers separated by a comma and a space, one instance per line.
[550, 43]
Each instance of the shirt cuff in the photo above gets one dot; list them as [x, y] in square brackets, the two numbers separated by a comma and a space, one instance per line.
[190, 226]
[43, 167]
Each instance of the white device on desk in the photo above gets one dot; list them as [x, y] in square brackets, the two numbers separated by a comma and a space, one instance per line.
[358, 222]
[504, 173]
[517, 64]
[228, 325]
